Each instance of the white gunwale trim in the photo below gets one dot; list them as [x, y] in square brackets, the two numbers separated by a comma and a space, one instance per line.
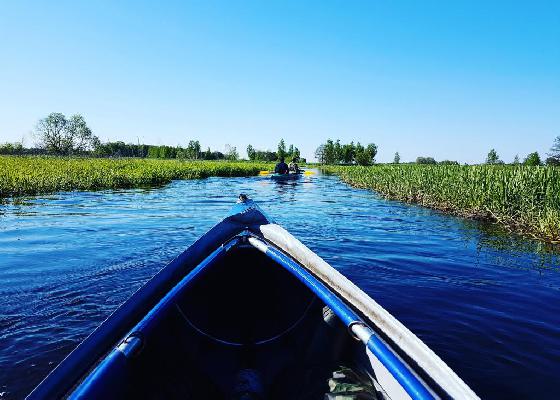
[402, 337]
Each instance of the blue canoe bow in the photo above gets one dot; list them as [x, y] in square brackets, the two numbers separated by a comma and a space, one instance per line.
[247, 312]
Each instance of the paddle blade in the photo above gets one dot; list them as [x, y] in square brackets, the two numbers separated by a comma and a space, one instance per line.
[262, 173]
[309, 173]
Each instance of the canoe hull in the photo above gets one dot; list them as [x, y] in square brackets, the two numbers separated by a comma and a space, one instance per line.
[250, 303]
[285, 177]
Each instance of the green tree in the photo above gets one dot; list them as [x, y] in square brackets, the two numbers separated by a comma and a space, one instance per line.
[80, 136]
[193, 150]
[320, 154]
[555, 149]
[251, 153]
[532, 159]
[552, 161]
[365, 156]
[338, 153]
[153, 152]
[167, 152]
[12, 148]
[425, 160]
[281, 149]
[51, 133]
[231, 153]
[332, 152]
[492, 157]
[181, 153]
[362, 158]
[397, 159]
[296, 154]
[329, 155]
[371, 150]
[516, 160]
[61, 136]
[290, 151]
[261, 155]
[348, 153]
[7, 148]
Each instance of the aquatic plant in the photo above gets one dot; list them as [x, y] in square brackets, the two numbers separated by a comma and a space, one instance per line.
[524, 199]
[34, 175]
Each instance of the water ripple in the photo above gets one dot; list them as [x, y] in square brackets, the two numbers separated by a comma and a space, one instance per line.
[486, 302]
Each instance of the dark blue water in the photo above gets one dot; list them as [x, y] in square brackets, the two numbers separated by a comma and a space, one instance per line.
[488, 304]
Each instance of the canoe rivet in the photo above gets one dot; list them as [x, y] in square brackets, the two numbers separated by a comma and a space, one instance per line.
[130, 346]
[360, 331]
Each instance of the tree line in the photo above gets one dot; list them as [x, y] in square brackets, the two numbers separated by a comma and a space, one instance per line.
[333, 152]
[532, 159]
[193, 151]
[292, 153]
[59, 135]
[65, 136]
[492, 158]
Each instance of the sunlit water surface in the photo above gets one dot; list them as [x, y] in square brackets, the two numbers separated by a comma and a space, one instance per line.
[488, 304]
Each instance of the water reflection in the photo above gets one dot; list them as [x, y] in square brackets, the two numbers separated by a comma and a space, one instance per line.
[494, 237]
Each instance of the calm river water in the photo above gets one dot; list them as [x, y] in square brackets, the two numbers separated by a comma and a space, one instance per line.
[488, 304]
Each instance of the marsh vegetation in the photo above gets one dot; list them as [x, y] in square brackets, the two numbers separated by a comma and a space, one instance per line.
[35, 175]
[522, 198]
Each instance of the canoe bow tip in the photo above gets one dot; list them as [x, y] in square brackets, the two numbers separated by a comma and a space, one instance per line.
[246, 213]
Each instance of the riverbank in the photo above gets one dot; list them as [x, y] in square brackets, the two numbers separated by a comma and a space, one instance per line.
[21, 176]
[523, 199]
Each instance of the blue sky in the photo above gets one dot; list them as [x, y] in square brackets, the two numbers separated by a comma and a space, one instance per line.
[443, 79]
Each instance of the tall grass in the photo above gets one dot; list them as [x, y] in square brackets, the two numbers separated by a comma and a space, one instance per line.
[34, 175]
[522, 198]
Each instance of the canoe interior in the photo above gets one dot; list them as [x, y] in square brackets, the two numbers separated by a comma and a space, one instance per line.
[244, 313]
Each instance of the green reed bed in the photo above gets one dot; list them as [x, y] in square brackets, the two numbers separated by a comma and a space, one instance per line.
[522, 198]
[33, 175]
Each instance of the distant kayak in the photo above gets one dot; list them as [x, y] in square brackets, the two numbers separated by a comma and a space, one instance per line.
[286, 176]
[249, 312]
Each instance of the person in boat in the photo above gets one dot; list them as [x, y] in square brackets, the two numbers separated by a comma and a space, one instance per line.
[293, 167]
[281, 167]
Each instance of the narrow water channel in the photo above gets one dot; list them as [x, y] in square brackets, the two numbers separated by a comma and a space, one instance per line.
[487, 303]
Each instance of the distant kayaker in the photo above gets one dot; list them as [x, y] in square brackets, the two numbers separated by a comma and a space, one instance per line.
[293, 167]
[281, 167]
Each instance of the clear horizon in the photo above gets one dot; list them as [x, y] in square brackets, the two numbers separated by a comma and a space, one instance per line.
[449, 81]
